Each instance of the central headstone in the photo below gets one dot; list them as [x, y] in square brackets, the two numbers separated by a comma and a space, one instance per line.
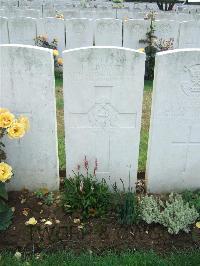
[103, 91]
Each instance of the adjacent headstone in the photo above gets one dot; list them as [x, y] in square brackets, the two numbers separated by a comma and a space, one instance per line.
[134, 32]
[189, 34]
[79, 33]
[27, 88]
[108, 32]
[103, 91]
[32, 13]
[4, 36]
[69, 14]
[167, 30]
[174, 144]
[105, 13]
[53, 28]
[22, 30]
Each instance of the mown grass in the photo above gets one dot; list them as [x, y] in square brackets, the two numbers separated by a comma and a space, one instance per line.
[108, 259]
[144, 129]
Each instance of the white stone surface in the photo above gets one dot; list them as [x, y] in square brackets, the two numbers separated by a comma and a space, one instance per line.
[189, 35]
[167, 29]
[79, 33]
[108, 32]
[4, 36]
[134, 31]
[68, 14]
[22, 30]
[27, 88]
[53, 28]
[174, 144]
[32, 13]
[123, 13]
[105, 13]
[103, 91]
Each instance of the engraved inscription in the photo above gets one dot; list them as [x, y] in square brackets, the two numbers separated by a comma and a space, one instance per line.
[103, 115]
[192, 86]
[163, 28]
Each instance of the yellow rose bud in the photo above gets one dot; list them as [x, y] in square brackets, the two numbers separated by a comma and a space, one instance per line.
[25, 122]
[16, 130]
[141, 50]
[198, 225]
[55, 52]
[6, 119]
[31, 221]
[5, 172]
[60, 61]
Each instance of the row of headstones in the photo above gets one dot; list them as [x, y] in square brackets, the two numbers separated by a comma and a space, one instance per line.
[77, 33]
[96, 3]
[93, 13]
[61, 4]
[142, 6]
[103, 95]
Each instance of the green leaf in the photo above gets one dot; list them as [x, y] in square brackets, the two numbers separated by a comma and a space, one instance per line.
[5, 218]
[3, 192]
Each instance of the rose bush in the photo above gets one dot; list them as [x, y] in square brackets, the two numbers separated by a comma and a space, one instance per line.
[14, 128]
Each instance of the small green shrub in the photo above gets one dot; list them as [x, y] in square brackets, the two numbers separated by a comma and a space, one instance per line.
[150, 209]
[44, 195]
[126, 205]
[85, 194]
[128, 210]
[177, 215]
[193, 198]
[174, 214]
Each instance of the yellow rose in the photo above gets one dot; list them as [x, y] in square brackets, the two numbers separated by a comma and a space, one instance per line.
[55, 52]
[3, 110]
[6, 119]
[198, 225]
[16, 130]
[141, 50]
[5, 172]
[25, 122]
[31, 221]
[60, 61]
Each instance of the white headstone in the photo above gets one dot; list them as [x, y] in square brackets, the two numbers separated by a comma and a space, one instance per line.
[4, 36]
[53, 28]
[189, 34]
[134, 31]
[79, 33]
[106, 13]
[69, 14]
[103, 91]
[123, 13]
[174, 145]
[108, 32]
[27, 88]
[22, 30]
[32, 13]
[166, 30]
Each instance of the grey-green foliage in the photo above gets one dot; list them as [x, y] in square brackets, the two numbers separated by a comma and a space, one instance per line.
[178, 215]
[150, 209]
[174, 214]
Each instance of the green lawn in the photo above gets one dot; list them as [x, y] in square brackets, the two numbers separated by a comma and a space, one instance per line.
[144, 130]
[109, 259]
